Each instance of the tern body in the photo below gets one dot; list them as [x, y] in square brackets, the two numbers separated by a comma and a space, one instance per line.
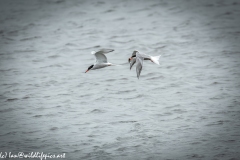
[132, 59]
[101, 59]
[138, 58]
[100, 65]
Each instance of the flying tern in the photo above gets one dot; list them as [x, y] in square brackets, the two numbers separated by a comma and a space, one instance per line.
[101, 59]
[138, 58]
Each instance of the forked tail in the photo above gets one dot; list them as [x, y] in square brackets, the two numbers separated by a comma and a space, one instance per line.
[155, 59]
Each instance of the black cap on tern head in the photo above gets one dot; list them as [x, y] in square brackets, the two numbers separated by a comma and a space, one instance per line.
[90, 67]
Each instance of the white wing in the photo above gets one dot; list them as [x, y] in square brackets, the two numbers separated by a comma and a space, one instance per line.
[105, 51]
[154, 59]
[143, 55]
[132, 62]
[100, 57]
[139, 64]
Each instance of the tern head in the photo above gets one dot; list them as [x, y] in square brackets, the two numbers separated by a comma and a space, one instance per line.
[90, 67]
[133, 55]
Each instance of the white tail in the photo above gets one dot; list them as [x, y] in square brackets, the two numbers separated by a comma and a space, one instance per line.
[115, 64]
[155, 59]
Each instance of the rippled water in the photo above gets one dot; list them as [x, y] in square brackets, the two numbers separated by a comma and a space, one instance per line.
[188, 107]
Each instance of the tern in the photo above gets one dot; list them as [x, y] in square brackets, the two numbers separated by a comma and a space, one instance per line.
[101, 59]
[138, 58]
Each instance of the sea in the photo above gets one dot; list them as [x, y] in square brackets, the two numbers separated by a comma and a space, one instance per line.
[186, 108]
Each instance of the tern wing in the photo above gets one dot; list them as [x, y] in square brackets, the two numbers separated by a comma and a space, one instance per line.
[105, 51]
[154, 59]
[132, 62]
[143, 55]
[139, 64]
[134, 53]
[100, 57]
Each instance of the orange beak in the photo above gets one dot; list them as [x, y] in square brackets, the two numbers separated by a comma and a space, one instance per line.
[129, 59]
[86, 71]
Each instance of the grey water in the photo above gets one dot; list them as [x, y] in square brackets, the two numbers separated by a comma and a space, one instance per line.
[188, 107]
